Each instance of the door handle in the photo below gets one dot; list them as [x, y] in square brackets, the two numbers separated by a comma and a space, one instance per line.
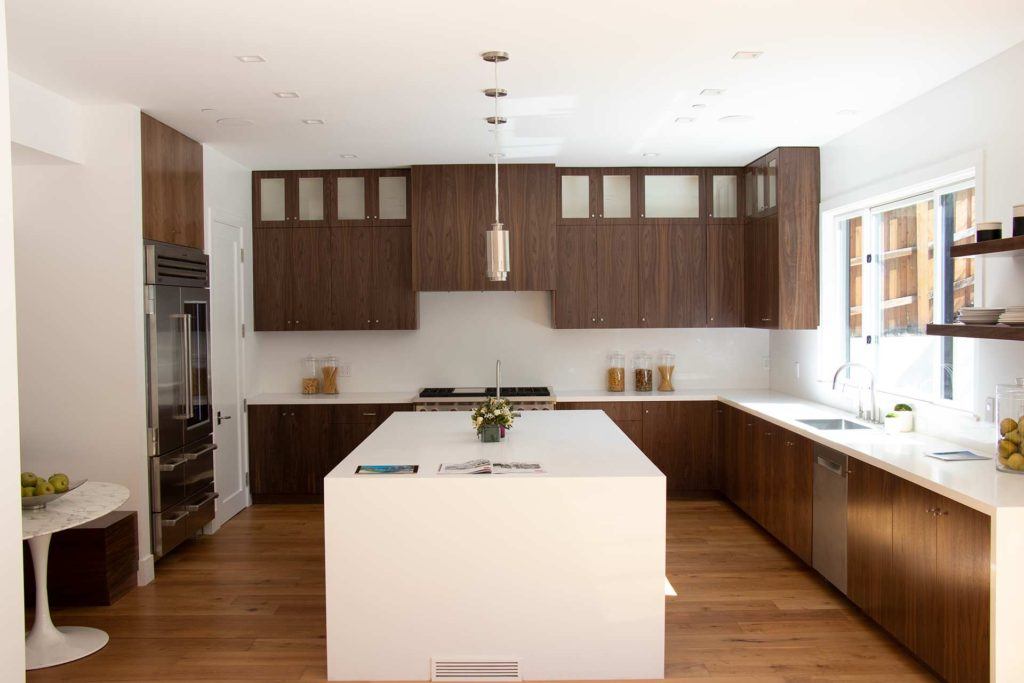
[173, 521]
[185, 359]
[213, 495]
[220, 417]
[201, 451]
[172, 465]
[190, 394]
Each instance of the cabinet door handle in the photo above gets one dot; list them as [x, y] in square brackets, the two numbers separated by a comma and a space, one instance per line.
[369, 414]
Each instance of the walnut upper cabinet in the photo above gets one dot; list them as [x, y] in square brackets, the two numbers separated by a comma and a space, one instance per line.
[670, 196]
[371, 197]
[597, 196]
[290, 199]
[598, 277]
[782, 191]
[453, 207]
[172, 185]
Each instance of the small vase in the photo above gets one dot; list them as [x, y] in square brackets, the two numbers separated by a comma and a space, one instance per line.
[490, 433]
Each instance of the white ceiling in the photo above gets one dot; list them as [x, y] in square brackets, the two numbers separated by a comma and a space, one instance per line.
[590, 82]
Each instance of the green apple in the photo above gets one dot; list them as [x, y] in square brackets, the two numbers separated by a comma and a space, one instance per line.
[27, 492]
[60, 482]
[28, 479]
[44, 488]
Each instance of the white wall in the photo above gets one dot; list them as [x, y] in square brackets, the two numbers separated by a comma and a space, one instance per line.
[44, 121]
[974, 116]
[462, 333]
[12, 619]
[78, 252]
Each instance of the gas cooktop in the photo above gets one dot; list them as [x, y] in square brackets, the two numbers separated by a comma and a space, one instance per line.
[482, 392]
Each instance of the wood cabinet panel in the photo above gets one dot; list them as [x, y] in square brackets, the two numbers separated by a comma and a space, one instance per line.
[571, 208]
[619, 411]
[792, 484]
[725, 284]
[575, 302]
[172, 185]
[678, 437]
[869, 540]
[269, 447]
[618, 276]
[394, 303]
[914, 547]
[270, 265]
[528, 210]
[351, 278]
[342, 439]
[307, 280]
[799, 195]
[384, 198]
[673, 284]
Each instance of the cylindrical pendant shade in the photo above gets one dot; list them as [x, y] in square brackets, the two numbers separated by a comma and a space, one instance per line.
[497, 253]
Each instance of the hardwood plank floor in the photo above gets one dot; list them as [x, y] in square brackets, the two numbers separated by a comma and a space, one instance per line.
[247, 604]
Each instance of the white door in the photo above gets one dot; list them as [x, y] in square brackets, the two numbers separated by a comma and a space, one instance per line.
[227, 313]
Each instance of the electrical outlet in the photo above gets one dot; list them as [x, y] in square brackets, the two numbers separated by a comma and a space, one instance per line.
[766, 362]
[990, 409]
[345, 370]
[796, 368]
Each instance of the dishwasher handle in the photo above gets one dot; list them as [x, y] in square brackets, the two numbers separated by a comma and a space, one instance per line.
[832, 467]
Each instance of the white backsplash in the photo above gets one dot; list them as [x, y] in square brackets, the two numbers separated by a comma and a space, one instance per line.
[462, 333]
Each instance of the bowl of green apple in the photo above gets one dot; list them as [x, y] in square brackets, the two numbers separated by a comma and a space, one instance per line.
[36, 492]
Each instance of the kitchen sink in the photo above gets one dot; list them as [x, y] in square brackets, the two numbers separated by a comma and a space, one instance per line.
[832, 424]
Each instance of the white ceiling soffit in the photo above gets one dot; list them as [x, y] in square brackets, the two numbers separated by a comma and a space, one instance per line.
[590, 82]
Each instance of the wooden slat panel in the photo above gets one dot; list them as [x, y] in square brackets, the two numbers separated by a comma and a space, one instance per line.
[172, 185]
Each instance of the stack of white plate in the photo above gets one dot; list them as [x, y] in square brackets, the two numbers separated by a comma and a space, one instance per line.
[1014, 315]
[973, 315]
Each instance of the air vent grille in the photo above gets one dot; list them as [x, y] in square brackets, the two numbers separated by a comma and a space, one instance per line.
[474, 669]
[168, 264]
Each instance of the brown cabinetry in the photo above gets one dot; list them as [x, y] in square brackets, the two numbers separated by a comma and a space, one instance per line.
[283, 199]
[292, 448]
[596, 196]
[781, 239]
[725, 274]
[172, 185]
[366, 197]
[673, 276]
[869, 540]
[453, 207]
[291, 278]
[627, 415]
[679, 438]
[671, 196]
[598, 277]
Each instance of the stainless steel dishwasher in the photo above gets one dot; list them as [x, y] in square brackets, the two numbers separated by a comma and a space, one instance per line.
[829, 530]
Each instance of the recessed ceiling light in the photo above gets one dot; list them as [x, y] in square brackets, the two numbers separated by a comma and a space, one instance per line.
[736, 118]
[698, 106]
[235, 122]
[348, 156]
[848, 112]
[313, 122]
[747, 55]
[685, 119]
[250, 59]
[650, 154]
[286, 94]
[711, 92]
[206, 110]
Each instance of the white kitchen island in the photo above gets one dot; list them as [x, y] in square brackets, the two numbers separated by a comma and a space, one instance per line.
[561, 572]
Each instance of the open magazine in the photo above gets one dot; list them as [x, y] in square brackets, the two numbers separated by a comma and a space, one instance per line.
[483, 466]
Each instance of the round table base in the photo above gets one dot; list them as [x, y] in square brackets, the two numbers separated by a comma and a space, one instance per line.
[65, 644]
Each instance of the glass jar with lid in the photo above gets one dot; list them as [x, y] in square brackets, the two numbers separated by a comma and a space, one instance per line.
[616, 371]
[329, 375]
[643, 379]
[310, 375]
[666, 366]
[1010, 424]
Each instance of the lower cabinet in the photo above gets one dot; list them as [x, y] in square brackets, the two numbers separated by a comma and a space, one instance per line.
[919, 565]
[292, 448]
[677, 436]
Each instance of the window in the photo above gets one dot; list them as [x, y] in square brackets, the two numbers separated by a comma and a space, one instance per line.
[896, 278]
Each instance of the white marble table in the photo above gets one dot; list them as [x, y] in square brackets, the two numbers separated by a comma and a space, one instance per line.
[46, 645]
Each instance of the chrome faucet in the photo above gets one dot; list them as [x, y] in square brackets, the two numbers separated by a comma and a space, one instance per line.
[497, 379]
[873, 415]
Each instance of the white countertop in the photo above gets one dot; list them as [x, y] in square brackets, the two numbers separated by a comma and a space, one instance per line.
[976, 484]
[91, 500]
[571, 443]
[326, 399]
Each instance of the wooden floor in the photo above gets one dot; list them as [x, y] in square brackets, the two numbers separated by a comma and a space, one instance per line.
[248, 605]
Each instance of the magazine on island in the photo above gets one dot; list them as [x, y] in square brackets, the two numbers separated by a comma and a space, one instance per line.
[484, 466]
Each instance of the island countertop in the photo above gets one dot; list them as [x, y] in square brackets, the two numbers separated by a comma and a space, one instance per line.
[577, 443]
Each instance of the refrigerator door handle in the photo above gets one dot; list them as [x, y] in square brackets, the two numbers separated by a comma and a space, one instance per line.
[188, 367]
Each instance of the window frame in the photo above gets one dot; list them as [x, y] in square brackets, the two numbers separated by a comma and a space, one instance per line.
[837, 321]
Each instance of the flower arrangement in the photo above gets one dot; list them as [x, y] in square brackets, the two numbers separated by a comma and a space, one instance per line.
[494, 412]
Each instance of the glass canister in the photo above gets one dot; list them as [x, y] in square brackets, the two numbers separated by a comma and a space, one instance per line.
[616, 371]
[329, 375]
[643, 379]
[1010, 422]
[310, 375]
[666, 366]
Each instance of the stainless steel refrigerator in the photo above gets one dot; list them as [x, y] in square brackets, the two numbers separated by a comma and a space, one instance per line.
[178, 406]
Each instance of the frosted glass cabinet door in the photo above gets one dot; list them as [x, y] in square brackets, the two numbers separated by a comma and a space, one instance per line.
[724, 202]
[773, 169]
[272, 205]
[576, 196]
[616, 196]
[351, 193]
[671, 196]
[311, 199]
[391, 198]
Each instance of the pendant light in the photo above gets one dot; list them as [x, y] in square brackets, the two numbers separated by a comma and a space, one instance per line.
[497, 237]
